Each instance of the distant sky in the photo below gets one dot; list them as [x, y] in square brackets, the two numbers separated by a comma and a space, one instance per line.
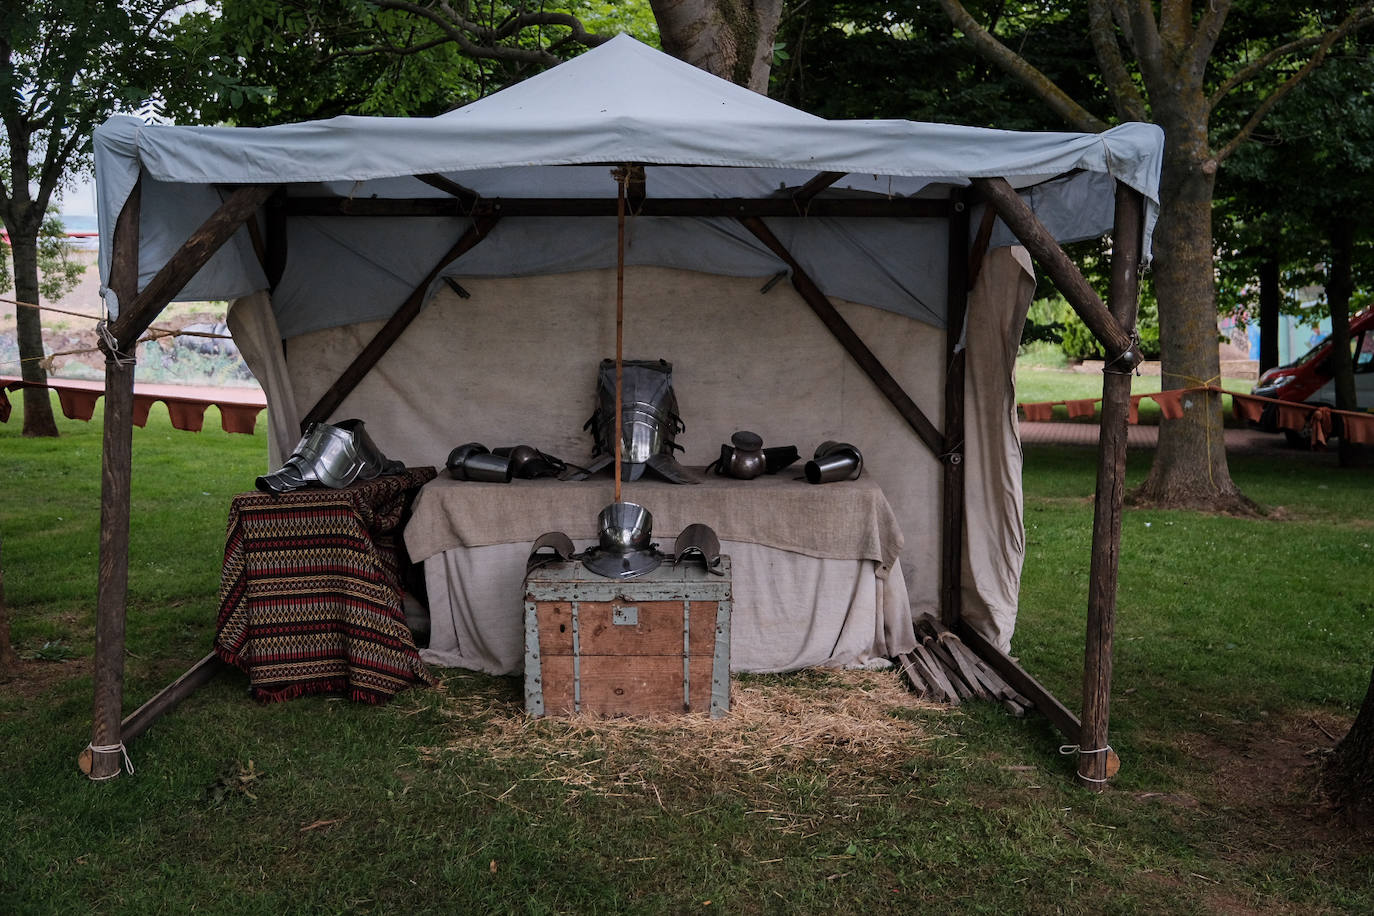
[79, 200]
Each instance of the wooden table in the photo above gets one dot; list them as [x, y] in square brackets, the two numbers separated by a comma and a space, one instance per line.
[310, 597]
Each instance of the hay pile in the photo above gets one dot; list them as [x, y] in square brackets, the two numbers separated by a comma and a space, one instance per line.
[859, 725]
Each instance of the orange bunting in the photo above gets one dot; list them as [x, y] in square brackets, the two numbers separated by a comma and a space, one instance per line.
[1085, 407]
[1170, 402]
[1358, 428]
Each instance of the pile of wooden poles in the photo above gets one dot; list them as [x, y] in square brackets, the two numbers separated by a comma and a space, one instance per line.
[944, 670]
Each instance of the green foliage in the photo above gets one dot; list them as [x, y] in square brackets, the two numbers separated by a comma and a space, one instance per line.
[274, 61]
[1054, 320]
[66, 65]
[1278, 195]
[58, 271]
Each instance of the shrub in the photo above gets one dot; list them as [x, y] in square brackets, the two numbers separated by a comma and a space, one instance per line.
[1055, 320]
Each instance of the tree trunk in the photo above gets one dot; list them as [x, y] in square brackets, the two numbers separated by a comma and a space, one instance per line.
[9, 661]
[1340, 285]
[1349, 774]
[1270, 295]
[38, 416]
[1189, 469]
[732, 39]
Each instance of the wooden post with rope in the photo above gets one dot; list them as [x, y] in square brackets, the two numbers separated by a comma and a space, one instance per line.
[1097, 762]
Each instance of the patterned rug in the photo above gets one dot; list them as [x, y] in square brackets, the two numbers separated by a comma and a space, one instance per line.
[310, 598]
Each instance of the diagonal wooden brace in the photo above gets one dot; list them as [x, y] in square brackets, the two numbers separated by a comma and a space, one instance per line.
[395, 326]
[849, 339]
[1123, 354]
[134, 317]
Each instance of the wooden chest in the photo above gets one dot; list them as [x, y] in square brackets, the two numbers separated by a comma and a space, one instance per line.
[658, 644]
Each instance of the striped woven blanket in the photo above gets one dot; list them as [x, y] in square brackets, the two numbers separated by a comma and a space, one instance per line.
[310, 599]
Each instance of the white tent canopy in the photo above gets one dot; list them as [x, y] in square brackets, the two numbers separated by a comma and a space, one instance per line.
[550, 137]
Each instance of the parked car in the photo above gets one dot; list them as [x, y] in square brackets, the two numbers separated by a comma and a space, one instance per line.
[1311, 378]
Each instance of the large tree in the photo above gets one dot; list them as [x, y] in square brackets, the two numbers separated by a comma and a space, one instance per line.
[1349, 772]
[65, 65]
[1168, 62]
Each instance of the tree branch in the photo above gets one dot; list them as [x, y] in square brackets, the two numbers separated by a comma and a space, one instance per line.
[1259, 65]
[1130, 106]
[1206, 35]
[1123, 22]
[1149, 49]
[1358, 18]
[461, 32]
[1041, 85]
[397, 50]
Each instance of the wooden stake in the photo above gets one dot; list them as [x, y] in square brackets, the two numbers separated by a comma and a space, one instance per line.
[1094, 763]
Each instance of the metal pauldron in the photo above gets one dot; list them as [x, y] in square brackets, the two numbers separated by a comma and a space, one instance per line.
[331, 455]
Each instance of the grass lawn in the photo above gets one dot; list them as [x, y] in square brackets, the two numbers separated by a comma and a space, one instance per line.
[1243, 646]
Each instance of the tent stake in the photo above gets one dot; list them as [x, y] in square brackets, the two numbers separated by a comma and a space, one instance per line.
[1094, 763]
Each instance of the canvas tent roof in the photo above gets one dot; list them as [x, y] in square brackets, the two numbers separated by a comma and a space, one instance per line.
[552, 136]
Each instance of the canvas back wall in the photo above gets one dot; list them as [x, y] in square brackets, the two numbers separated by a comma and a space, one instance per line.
[516, 363]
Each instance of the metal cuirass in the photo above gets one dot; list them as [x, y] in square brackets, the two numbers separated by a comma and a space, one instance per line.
[649, 421]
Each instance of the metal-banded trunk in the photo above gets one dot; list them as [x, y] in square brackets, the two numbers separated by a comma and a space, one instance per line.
[656, 645]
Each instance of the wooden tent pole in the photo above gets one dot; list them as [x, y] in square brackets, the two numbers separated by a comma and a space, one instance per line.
[956, 308]
[622, 176]
[1095, 761]
[1122, 351]
[105, 754]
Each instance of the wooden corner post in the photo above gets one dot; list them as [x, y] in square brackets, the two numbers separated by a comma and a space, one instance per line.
[954, 454]
[1096, 761]
[103, 759]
